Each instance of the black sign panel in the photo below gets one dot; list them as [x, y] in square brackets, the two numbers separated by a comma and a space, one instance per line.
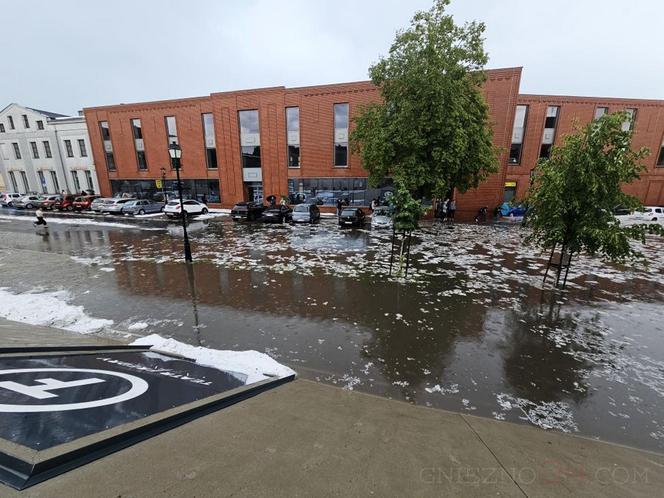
[50, 400]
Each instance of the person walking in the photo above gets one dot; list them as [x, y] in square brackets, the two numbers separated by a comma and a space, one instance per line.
[451, 209]
[40, 218]
[340, 205]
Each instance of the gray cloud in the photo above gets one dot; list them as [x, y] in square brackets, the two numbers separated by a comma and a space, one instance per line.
[69, 54]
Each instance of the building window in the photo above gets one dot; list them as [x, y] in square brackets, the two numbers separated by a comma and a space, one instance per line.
[108, 145]
[137, 132]
[293, 136]
[629, 123]
[88, 179]
[56, 183]
[42, 181]
[601, 111]
[26, 123]
[341, 135]
[82, 148]
[250, 139]
[40, 125]
[660, 156]
[47, 148]
[326, 191]
[171, 130]
[12, 178]
[517, 133]
[11, 122]
[146, 189]
[549, 134]
[35, 151]
[17, 150]
[24, 179]
[77, 184]
[2, 128]
[70, 150]
[210, 141]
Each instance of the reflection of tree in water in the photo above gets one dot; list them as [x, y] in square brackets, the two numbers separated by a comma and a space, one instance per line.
[539, 362]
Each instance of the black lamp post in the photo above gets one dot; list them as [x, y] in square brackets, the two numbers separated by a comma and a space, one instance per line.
[176, 153]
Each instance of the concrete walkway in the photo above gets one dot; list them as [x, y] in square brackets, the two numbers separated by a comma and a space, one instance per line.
[309, 439]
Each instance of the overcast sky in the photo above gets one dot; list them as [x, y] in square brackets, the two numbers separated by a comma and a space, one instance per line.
[65, 55]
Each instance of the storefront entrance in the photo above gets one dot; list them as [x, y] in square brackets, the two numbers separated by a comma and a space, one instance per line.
[253, 192]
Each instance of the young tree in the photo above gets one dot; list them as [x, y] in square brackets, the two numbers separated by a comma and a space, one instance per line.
[431, 132]
[574, 192]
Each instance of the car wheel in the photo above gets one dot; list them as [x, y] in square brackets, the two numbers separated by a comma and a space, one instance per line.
[141, 211]
[29, 206]
[70, 208]
[205, 211]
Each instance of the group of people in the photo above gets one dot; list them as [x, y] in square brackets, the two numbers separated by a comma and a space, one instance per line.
[446, 210]
[341, 204]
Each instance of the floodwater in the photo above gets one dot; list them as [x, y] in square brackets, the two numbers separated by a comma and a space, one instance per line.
[472, 329]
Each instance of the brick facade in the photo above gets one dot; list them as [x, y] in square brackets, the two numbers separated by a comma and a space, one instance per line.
[316, 105]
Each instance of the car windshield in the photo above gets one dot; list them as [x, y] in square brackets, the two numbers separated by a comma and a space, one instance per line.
[349, 212]
[173, 203]
[302, 208]
[381, 211]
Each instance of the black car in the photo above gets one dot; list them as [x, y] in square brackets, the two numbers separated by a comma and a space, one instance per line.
[247, 211]
[351, 217]
[277, 214]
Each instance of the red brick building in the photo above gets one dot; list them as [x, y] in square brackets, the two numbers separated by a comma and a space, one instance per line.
[245, 145]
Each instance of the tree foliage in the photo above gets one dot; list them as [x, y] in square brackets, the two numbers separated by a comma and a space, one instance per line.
[575, 191]
[431, 131]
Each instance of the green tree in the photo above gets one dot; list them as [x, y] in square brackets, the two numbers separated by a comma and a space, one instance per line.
[574, 192]
[431, 132]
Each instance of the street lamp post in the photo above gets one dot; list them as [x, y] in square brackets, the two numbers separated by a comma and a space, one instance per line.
[176, 153]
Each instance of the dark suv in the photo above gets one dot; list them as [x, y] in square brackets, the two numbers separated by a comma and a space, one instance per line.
[247, 211]
[351, 217]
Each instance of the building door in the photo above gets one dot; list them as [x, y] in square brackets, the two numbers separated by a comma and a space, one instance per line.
[510, 191]
[24, 178]
[56, 184]
[253, 192]
[12, 178]
[42, 182]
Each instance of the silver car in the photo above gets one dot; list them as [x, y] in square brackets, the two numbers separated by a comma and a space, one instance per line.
[142, 206]
[306, 213]
[115, 206]
[381, 218]
[97, 205]
[27, 202]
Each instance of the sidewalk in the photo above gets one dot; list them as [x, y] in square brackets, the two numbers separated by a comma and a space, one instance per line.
[309, 439]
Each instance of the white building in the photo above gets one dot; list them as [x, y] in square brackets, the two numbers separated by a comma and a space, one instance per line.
[45, 152]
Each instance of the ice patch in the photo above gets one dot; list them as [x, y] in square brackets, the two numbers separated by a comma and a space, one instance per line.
[256, 366]
[138, 326]
[48, 309]
[451, 389]
[547, 414]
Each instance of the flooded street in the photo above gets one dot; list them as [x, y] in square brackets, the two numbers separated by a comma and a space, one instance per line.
[471, 330]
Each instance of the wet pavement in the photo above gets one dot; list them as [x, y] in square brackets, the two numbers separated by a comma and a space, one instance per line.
[472, 329]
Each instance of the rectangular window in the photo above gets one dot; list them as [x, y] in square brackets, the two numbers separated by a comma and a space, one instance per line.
[77, 184]
[2, 128]
[26, 123]
[341, 135]
[210, 141]
[250, 139]
[171, 130]
[24, 179]
[137, 132]
[40, 125]
[549, 134]
[17, 150]
[12, 178]
[293, 136]
[545, 151]
[56, 183]
[42, 181]
[47, 148]
[70, 150]
[601, 111]
[11, 122]
[81, 147]
[629, 123]
[88, 179]
[517, 133]
[108, 145]
[35, 151]
[551, 117]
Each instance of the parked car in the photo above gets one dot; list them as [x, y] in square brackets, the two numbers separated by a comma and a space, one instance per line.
[306, 213]
[65, 203]
[97, 205]
[381, 218]
[277, 214]
[247, 211]
[142, 206]
[83, 203]
[351, 216]
[48, 202]
[650, 213]
[115, 205]
[173, 210]
[27, 202]
[8, 198]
